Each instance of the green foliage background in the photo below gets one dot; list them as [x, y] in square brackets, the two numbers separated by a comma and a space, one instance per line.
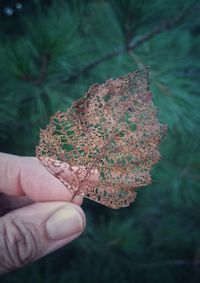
[50, 53]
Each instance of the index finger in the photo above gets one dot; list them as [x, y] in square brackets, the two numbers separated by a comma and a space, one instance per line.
[26, 176]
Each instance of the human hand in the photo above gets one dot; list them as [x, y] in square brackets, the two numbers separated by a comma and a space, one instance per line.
[37, 212]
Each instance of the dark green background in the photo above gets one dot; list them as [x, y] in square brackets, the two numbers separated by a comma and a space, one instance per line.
[50, 54]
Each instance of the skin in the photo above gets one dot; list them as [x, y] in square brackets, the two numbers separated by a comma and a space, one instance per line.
[37, 213]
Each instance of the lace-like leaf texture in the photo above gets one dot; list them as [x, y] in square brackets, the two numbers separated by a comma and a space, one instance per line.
[104, 146]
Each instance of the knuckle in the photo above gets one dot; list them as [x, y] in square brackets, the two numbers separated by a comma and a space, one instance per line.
[19, 243]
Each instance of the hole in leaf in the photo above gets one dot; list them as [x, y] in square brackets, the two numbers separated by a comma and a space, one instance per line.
[107, 97]
[70, 133]
[121, 134]
[133, 127]
[102, 175]
[68, 147]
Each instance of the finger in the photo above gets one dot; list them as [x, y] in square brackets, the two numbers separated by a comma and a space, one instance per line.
[26, 176]
[36, 230]
[9, 203]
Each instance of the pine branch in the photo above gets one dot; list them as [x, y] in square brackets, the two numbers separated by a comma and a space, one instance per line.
[37, 81]
[168, 263]
[158, 30]
[43, 70]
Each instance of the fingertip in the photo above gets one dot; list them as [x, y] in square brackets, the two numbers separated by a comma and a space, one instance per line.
[39, 185]
[36, 230]
[77, 200]
[49, 188]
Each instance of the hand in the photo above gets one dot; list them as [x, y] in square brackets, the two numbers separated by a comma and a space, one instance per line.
[37, 215]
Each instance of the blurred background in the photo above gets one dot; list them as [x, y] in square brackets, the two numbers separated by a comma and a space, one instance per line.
[50, 53]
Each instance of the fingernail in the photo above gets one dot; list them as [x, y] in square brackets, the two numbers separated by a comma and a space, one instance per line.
[64, 223]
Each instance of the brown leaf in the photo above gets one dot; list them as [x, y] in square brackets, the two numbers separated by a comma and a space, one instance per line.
[104, 146]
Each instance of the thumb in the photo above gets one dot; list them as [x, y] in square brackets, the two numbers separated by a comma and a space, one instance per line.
[31, 232]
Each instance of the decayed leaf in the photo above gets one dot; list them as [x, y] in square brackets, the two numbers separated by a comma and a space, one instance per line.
[104, 146]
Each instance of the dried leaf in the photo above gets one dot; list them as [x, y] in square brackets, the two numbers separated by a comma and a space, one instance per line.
[104, 146]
